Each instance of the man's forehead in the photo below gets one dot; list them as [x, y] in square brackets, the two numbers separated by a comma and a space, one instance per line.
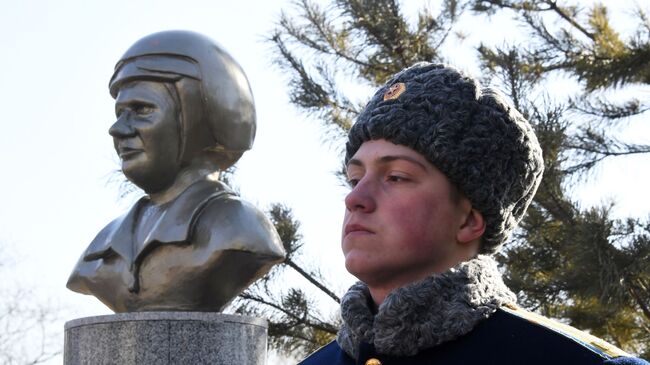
[382, 152]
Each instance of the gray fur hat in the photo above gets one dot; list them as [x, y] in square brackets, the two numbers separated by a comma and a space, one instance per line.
[485, 147]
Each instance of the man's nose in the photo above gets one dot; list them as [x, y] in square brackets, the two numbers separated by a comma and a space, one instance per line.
[121, 128]
[362, 197]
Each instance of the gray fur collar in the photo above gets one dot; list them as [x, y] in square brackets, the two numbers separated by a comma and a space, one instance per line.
[424, 314]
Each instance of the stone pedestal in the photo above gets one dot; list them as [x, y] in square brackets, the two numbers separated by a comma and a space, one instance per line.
[166, 338]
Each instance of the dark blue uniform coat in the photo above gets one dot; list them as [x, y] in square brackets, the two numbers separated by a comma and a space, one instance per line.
[508, 337]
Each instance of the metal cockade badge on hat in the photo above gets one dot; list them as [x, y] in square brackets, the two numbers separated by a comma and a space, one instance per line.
[395, 91]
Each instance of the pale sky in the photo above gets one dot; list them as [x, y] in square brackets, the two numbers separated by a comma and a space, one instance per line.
[57, 155]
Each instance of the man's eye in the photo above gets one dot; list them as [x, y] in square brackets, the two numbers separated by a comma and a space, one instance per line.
[353, 182]
[396, 178]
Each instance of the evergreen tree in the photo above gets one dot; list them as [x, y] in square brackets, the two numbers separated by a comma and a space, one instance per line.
[296, 326]
[577, 265]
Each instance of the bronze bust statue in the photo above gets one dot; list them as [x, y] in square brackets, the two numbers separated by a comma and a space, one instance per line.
[184, 113]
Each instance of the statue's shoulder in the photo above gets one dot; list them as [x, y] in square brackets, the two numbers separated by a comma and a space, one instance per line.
[222, 206]
[102, 247]
[226, 221]
[115, 231]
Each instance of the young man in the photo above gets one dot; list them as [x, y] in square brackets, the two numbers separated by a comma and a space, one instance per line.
[442, 171]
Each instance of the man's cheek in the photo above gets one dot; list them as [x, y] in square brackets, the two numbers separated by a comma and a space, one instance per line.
[410, 223]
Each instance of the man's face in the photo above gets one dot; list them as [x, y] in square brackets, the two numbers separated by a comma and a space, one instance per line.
[402, 216]
[146, 135]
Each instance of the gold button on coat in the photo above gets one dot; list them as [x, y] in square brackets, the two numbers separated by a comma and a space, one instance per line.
[373, 361]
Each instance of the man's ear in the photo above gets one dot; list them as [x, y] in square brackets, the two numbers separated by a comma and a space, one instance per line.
[472, 227]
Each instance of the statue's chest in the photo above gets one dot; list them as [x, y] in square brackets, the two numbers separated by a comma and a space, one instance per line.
[148, 217]
[170, 276]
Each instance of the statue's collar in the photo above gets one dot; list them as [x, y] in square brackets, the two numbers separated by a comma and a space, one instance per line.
[174, 225]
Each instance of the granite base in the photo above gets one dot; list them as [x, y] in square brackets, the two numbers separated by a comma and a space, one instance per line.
[165, 338]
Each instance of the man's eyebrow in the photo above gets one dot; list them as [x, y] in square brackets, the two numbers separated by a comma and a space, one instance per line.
[389, 158]
[354, 162]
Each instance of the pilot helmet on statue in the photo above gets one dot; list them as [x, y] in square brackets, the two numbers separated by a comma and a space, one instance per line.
[212, 96]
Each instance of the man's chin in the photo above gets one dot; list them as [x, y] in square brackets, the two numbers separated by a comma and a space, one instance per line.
[359, 268]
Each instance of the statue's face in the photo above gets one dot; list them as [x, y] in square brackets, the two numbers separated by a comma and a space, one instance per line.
[146, 134]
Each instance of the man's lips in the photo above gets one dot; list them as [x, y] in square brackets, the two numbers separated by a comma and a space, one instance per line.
[356, 228]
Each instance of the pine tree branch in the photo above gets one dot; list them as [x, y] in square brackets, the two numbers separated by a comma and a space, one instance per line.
[296, 334]
[633, 290]
[386, 17]
[564, 46]
[607, 153]
[320, 325]
[553, 6]
[609, 111]
[311, 15]
[558, 209]
[311, 279]
[526, 7]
